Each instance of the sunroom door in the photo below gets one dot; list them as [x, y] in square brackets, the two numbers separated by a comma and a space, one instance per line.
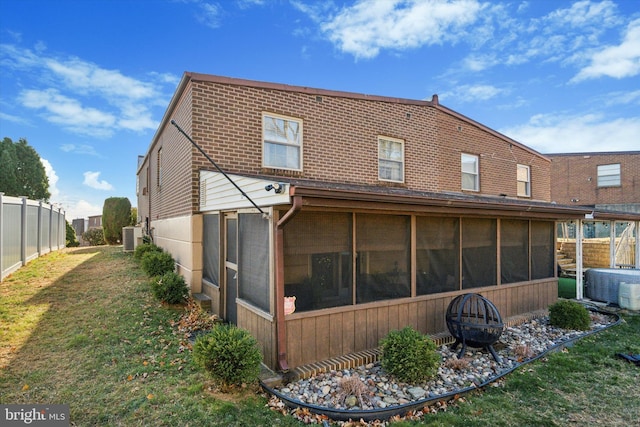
[231, 267]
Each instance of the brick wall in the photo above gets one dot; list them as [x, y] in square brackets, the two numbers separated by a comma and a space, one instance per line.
[340, 139]
[339, 142]
[498, 160]
[575, 178]
[595, 252]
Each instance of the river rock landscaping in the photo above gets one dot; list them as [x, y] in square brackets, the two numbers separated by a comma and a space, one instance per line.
[369, 388]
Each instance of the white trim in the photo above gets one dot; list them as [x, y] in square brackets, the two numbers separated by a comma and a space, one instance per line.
[402, 162]
[298, 146]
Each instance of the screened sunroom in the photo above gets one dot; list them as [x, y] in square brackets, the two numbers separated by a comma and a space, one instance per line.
[334, 259]
[325, 272]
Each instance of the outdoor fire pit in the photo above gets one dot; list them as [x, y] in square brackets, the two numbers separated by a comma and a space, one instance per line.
[474, 321]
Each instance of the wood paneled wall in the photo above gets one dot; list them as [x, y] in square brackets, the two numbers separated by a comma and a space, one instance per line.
[263, 328]
[323, 334]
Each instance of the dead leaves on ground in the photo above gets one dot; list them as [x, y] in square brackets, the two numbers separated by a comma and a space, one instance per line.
[306, 416]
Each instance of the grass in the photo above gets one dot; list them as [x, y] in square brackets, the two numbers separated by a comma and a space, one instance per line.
[80, 327]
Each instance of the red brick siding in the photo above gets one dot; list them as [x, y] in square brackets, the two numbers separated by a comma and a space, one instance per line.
[340, 139]
[575, 177]
[340, 143]
[498, 160]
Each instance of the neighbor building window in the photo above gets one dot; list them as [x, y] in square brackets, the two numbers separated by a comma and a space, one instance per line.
[524, 181]
[390, 159]
[470, 177]
[609, 175]
[159, 168]
[282, 142]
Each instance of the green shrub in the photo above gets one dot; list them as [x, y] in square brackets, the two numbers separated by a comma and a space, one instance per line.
[116, 213]
[229, 354]
[568, 314]
[144, 248]
[94, 236]
[71, 239]
[409, 356]
[156, 263]
[170, 288]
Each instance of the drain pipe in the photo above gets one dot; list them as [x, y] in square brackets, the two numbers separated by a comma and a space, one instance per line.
[281, 332]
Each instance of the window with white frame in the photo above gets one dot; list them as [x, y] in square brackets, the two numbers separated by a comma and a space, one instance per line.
[390, 159]
[609, 175]
[470, 177]
[524, 181]
[282, 142]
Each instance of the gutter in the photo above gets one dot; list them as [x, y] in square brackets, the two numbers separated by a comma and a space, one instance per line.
[281, 331]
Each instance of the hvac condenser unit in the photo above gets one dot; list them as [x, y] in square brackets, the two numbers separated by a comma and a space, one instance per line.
[131, 238]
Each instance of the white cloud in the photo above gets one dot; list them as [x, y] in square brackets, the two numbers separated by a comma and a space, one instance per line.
[91, 180]
[471, 93]
[119, 102]
[556, 133]
[584, 13]
[86, 77]
[623, 98]
[14, 119]
[616, 61]
[52, 176]
[371, 25]
[209, 14]
[80, 209]
[69, 113]
[563, 36]
[79, 149]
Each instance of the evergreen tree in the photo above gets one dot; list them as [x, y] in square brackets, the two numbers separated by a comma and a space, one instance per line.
[22, 172]
[72, 240]
[116, 213]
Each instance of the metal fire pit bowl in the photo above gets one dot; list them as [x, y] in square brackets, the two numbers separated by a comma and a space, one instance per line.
[474, 321]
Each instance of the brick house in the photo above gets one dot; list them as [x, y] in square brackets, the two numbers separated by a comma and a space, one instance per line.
[605, 181]
[360, 214]
[95, 221]
[602, 181]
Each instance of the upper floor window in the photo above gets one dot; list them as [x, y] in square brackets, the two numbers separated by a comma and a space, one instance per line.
[470, 177]
[524, 181]
[390, 159]
[282, 142]
[159, 167]
[609, 175]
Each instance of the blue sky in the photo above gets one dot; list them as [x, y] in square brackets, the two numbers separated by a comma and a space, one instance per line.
[87, 82]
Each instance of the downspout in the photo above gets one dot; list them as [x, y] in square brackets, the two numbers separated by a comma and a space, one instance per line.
[281, 332]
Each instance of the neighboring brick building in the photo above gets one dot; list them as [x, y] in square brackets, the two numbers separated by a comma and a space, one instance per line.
[605, 181]
[365, 213]
[95, 221]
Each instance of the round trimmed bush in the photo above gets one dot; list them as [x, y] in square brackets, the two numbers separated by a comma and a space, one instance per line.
[568, 314]
[409, 356]
[145, 248]
[156, 263]
[229, 354]
[170, 288]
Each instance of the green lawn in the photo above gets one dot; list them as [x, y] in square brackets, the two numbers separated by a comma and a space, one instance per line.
[81, 327]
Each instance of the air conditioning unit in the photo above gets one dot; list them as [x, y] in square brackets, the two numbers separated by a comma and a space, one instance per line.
[131, 238]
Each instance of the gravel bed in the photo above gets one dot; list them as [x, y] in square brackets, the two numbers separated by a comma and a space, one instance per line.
[369, 387]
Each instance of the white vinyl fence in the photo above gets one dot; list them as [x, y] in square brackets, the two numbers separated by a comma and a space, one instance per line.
[28, 229]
